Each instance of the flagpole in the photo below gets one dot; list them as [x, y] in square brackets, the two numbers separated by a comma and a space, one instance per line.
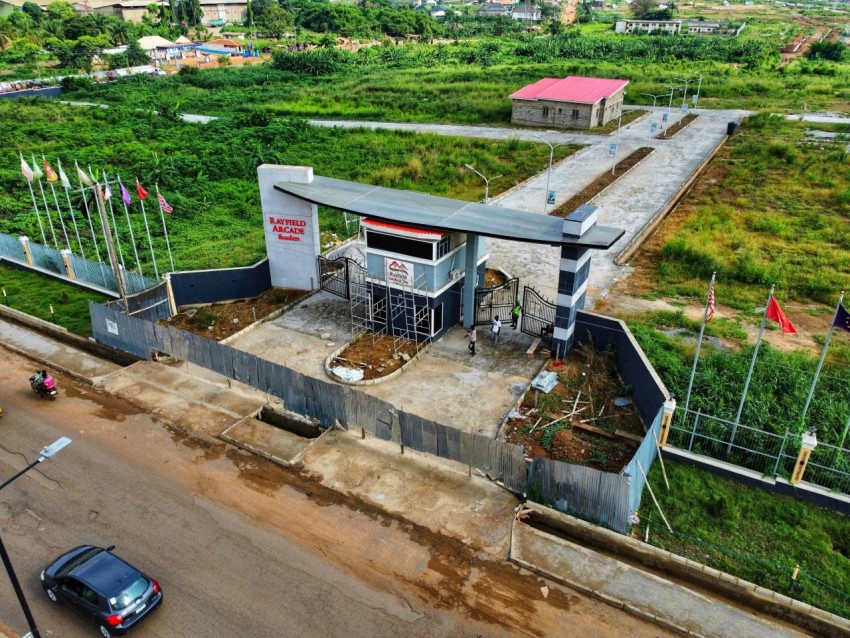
[91, 226]
[35, 206]
[46, 209]
[114, 225]
[750, 373]
[130, 226]
[110, 248]
[147, 228]
[165, 230]
[98, 200]
[66, 185]
[58, 209]
[699, 344]
[822, 357]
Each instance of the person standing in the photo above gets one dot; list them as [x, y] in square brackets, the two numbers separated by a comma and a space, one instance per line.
[495, 329]
[515, 313]
[472, 335]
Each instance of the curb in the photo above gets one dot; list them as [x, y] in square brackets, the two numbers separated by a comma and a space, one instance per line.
[391, 375]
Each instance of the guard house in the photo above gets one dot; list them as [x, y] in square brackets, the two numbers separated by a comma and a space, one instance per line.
[415, 277]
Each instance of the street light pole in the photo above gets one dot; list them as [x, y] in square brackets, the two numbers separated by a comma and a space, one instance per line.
[486, 182]
[669, 107]
[617, 142]
[652, 118]
[45, 454]
[685, 93]
[549, 174]
[699, 86]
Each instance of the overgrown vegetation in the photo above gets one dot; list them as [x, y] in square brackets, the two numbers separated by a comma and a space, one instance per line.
[754, 535]
[34, 294]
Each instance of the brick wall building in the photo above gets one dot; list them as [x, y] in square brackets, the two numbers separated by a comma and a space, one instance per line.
[573, 102]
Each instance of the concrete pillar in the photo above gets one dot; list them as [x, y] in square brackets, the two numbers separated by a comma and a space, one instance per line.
[572, 279]
[25, 246]
[809, 443]
[473, 246]
[291, 228]
[66, 259]
[172, 306]
[666, 420]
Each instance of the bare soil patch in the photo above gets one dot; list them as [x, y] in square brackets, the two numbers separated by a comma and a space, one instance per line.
[219, 321]
[577, 421]
[376, 355]
[601, 182]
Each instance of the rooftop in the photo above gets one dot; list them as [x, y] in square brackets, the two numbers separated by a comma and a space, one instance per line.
[420, 210]
[571, 89]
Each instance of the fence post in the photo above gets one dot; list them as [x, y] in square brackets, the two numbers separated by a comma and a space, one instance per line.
[809, 443]
[25, 246]
[694, 432]
[669, 409]
[66, 259]
[779, 456]
[172, 306]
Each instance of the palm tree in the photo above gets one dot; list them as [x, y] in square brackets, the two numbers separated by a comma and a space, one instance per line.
[119, 32]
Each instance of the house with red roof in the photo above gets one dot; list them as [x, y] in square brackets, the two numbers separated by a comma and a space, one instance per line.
[572, 102]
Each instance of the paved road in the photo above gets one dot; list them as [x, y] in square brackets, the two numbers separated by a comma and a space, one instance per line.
[243, 547]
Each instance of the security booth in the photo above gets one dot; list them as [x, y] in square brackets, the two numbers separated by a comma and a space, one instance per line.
[415, 277]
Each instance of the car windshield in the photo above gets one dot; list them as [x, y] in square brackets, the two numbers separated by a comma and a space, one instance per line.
[126, 597]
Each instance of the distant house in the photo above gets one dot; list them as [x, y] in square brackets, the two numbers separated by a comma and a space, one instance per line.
[494, 9]
[438, 11]
[573, 102]
[223, 44]
[703, 27]
[134, 10]
[648, 26]
[528, 12]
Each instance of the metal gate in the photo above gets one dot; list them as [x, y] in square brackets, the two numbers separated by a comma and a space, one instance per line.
[538, 314]
[497, 300]
[333, 276]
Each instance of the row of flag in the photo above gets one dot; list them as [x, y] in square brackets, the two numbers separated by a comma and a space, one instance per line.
[773, 311]
[35, 173]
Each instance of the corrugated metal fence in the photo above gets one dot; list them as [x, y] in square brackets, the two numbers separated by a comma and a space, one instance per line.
[322, 400]
[591, 494]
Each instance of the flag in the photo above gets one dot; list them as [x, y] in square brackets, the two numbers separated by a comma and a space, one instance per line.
[51, 175]
[842, 318]
[163, 204]
[125, 196]
[107, 192]
[774, 313]
[85, 179]
[26, 170]
[141, 191]
[66, 183]
[36, 171]
[711, 306]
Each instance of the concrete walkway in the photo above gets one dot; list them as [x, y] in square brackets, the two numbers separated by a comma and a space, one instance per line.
[630, 203]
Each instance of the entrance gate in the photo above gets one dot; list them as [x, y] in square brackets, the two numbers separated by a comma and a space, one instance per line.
[334, 276]
[496, 300]
[538, 314]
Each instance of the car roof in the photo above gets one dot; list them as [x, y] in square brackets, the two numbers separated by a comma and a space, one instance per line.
[106, 573]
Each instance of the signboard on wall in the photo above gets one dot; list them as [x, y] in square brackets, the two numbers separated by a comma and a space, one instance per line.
[398, 272]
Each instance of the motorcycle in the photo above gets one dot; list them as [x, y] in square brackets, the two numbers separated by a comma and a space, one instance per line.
[43, 385]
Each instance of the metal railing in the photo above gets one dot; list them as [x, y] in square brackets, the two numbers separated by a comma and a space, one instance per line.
[758, 450]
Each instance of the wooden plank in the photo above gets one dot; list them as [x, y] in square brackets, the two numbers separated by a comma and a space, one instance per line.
[533, 347]
[593, 430]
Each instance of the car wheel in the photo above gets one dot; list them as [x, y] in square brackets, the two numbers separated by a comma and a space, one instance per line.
[104, 631]
[52, 595]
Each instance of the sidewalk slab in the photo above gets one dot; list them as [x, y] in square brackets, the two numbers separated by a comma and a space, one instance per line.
[637, 591]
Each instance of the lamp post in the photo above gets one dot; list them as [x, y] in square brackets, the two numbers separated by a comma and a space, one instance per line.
[652, 119]
[46, 453]
[616, 144]
[552, 148]
[669, 106]
[685, 93]
[699, 86]
[486, 182]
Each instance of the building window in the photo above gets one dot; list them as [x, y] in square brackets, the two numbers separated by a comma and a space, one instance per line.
[560, 110]
[400, 245]
[545, 111]
[444, 247]
[437, 323]
[575, 114]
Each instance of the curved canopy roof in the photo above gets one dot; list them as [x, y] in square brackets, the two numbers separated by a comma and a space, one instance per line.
[421, 210]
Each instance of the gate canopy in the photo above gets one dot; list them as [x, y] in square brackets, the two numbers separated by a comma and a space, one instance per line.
[421, 210]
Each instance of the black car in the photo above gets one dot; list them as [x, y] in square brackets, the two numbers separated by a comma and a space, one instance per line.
[102, 587]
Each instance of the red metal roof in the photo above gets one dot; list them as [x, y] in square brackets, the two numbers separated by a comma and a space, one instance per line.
[224, 43]
[374, 223]
[570, 89]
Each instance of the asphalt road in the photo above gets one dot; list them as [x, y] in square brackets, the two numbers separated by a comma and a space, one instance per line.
[242, 547]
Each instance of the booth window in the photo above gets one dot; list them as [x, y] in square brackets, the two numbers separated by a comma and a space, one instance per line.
[444, 247]
[400, 245]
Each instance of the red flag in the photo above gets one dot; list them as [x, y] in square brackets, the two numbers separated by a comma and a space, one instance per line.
[141, 190]
[774, 313]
